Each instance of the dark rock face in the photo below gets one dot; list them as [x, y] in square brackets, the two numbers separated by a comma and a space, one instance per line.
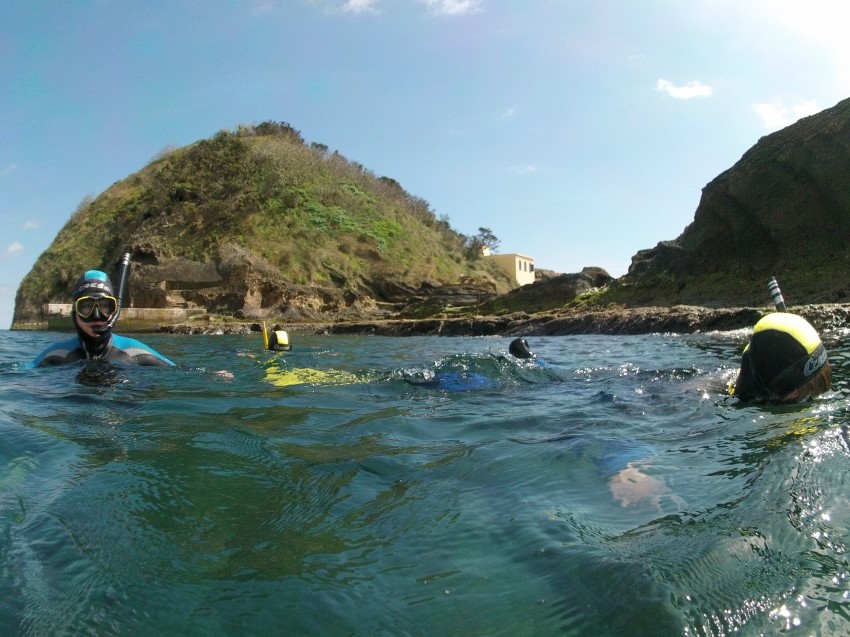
[782, 210]
[556, 290]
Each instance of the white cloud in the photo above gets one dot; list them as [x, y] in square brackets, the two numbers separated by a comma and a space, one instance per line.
[13, 249]
[32, 224]
[8, 170]
[775, 115]
[686, 92]
[453, 7]
[523, 168]
[509, 113]
[360, 6]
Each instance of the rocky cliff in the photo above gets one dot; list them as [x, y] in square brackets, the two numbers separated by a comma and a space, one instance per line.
[782, 210]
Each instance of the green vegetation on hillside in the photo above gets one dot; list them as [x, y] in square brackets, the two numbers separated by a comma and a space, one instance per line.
[317, 217]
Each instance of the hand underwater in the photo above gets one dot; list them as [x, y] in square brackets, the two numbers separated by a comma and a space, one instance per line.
[631, 485]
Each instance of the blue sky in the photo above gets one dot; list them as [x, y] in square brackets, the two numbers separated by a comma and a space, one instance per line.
[579, 131]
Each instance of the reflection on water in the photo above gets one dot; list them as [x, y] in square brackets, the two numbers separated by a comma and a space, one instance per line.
[443, 488]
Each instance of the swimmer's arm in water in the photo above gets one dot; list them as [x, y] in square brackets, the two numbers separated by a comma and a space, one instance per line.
[631, 485]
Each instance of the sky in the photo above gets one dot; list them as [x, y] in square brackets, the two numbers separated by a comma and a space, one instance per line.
[578, 131]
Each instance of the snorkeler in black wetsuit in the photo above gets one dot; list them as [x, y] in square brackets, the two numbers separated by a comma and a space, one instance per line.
[785, 360]
[94, 312]
[519, 348]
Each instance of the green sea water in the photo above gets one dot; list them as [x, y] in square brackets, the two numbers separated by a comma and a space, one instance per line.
[608, 489]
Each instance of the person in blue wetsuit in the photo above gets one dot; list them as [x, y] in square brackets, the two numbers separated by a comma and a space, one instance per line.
[93, 313]
[457, 381]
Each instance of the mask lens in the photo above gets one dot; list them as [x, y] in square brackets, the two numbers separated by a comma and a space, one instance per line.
[107, 306]
[85, 306]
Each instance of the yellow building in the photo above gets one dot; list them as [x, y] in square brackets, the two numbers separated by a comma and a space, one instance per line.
[518, 266]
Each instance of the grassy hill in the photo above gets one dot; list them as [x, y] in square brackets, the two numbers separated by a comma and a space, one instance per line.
[310, 215]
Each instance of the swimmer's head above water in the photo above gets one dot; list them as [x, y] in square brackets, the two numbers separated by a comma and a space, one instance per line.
[94, 307]
[519, 348]
[784, 362]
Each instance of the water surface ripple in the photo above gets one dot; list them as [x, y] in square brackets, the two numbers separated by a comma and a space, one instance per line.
[420, 486]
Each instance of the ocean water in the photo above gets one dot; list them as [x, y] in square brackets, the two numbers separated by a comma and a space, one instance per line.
[344, 489]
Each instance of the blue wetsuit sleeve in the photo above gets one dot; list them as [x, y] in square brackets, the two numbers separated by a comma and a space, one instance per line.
[460, 381]
[57, 354]
[139, 353]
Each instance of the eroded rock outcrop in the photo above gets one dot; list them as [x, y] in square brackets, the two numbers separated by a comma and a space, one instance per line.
[550, 292]
[782, 210]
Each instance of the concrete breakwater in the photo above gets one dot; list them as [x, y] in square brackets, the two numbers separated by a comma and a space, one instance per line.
[132, 319]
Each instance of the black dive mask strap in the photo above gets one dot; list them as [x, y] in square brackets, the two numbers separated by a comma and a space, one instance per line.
[799, 368]
[760, 389]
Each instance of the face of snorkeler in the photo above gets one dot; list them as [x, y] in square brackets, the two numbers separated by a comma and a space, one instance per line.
[90, 320]
[94, 329]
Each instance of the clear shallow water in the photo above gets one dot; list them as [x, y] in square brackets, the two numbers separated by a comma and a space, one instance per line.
[180, 502]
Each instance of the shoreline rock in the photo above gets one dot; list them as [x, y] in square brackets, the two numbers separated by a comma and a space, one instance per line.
[609, 320]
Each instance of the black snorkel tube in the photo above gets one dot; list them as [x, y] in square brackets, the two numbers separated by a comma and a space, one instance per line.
[776, 294]
[122, 281]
